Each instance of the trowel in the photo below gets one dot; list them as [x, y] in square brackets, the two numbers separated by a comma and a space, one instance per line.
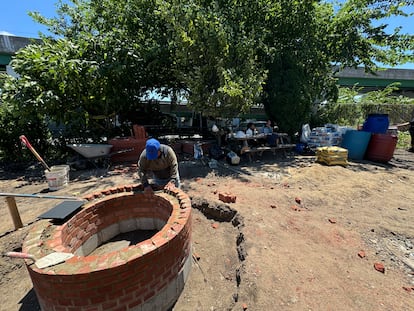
[44, 262]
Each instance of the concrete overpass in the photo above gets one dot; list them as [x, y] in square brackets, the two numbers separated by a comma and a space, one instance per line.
[369, 82]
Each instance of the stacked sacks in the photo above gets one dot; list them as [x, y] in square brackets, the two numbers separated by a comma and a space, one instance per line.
[332, 155]
[325, 136]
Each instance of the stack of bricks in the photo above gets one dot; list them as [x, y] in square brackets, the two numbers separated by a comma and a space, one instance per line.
[150, 274]
[135, 143]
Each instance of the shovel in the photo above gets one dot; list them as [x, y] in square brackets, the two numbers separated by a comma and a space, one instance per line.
[44, 262]
[26, 142]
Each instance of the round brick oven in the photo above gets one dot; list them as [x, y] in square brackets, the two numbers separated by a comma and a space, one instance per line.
[149, 275]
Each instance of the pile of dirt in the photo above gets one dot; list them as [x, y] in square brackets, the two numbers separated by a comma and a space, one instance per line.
[300, 235]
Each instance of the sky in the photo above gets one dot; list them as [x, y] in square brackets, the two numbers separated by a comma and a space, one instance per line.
[16, 21]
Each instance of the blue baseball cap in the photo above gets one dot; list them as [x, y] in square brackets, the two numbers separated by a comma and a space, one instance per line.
[152, 146]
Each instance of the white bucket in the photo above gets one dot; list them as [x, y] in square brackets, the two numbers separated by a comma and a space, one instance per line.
[65, 168]
[57, 177]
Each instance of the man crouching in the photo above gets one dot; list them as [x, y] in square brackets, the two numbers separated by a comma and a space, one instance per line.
[159, 162]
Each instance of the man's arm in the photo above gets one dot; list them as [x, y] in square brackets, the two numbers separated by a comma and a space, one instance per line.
[174, 165]
[142, 171]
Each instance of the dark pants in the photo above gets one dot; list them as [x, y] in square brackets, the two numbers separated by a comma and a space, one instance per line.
[411, 130]
[272, 139]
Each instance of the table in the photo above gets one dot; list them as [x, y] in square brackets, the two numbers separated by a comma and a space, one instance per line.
[282, 138]
[281, 144]
[245, 140]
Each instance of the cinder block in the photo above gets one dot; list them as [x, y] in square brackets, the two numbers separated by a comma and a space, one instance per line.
[186, 270]
[159, 223]
[128, 225]
[108, 233]
[88, 247]
[145, 224]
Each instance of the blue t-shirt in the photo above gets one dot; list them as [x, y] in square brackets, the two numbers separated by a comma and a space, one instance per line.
[267, 130]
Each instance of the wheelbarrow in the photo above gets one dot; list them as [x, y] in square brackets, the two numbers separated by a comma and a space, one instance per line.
[95, 153]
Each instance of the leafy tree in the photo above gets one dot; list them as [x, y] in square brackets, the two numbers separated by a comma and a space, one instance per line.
[53, 81]
[308, 44]
[223, 55]
[299, 68]
[216, 52]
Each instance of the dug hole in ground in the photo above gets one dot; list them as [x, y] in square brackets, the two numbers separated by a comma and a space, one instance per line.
[299, 236]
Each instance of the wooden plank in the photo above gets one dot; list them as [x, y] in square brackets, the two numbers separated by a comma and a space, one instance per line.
[14, 212]
[256, 150]
[283, 146]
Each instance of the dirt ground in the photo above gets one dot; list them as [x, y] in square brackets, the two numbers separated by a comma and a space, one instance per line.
[301, 235]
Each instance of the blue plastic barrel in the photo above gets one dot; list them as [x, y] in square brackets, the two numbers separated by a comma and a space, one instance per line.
[356, 142]
[376, 123]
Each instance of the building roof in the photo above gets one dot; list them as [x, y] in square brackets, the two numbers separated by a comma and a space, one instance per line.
[9, 45]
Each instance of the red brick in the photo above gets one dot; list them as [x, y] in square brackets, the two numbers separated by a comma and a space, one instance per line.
[113, 190]
[89, 197]
[65, 302]
[227, 197]
[379, 267]
[109, 305]
[361, 254]
[196, 256]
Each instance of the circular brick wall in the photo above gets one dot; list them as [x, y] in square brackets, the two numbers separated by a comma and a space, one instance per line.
[149, 275]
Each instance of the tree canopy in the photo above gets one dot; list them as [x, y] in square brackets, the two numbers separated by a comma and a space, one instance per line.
[224, 56]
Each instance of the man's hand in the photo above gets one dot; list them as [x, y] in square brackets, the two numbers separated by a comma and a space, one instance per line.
[170, 186]
[148, 191]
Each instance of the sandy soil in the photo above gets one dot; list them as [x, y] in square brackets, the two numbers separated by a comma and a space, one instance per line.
[294, 239]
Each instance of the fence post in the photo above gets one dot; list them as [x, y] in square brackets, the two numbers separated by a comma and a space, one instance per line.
[14, 212]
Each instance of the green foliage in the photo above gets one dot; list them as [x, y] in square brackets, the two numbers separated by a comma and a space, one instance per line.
[299, 67]
[352, 107]
[215, 45]
[306, 45]
[404, 140]
[224, 56]
[12, 125]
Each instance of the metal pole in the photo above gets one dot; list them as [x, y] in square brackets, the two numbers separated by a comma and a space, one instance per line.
[14, 212]
[2, 194]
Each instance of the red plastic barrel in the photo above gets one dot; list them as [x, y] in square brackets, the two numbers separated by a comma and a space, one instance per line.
[381, 147]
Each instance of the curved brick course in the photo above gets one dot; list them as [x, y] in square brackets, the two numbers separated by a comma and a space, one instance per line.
[150, 274]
